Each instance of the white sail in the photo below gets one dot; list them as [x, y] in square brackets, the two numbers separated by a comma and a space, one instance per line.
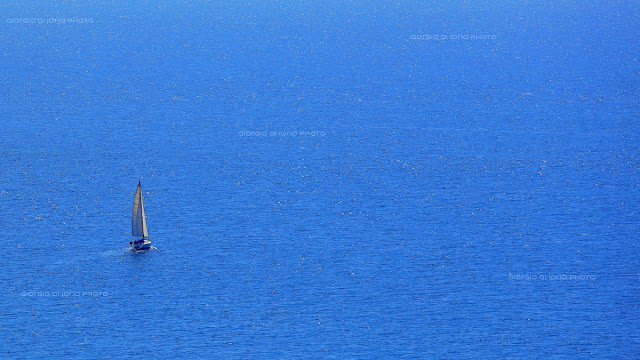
[138, 219]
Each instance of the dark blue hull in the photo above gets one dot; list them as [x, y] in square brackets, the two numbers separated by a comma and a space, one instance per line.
[141, 244]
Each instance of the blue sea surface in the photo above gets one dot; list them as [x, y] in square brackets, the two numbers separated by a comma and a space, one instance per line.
[322, 180]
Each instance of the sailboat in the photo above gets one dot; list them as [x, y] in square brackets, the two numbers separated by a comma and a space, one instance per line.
[139, 223]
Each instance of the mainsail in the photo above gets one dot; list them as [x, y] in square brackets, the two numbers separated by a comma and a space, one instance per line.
[138, 220]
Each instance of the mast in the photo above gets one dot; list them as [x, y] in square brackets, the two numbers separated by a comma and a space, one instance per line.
[145, 233]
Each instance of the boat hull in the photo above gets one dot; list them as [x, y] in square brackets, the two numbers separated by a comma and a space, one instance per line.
[141, 245]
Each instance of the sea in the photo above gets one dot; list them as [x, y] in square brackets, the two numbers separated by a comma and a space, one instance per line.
[362, 179]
